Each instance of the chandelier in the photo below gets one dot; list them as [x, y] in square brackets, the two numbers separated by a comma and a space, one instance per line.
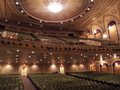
[55, 6]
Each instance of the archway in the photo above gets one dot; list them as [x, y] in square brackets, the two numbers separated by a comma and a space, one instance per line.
[112, 31]
[116, 67]
[97, 34]
[104, 68]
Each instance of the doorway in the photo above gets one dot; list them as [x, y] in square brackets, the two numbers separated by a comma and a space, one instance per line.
[62, 70]
[24, 71]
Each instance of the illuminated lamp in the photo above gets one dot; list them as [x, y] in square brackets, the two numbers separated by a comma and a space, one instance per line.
[55, 6]
[102, 64]
[109, 27]
[116, 64]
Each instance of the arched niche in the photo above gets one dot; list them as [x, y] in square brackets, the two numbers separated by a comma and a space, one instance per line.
[112, 31]
[104, 68]
[107, 19]
[95, 27]
[97, 34]
[116, 67]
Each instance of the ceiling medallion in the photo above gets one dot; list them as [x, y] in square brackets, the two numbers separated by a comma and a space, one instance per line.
[55, 6]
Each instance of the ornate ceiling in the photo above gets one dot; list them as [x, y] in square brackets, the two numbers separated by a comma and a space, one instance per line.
[76, 14]
[39, 10]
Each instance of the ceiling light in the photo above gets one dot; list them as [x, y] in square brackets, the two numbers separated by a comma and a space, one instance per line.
[93, 19]
[22, 11]
[81, 15]
[17, 50]
[0, 60]
[16, 55]
[37, 62]
[48, 61]
[17, 3]
[6, 20]
[61, 22]
[40, 59]
[92, 0]
[16, 59]
[18, 22]
[44, 57]
[40, 21]
[32, 51]
[50, 53]
[55, 7]
[29, 56]
[88, 9]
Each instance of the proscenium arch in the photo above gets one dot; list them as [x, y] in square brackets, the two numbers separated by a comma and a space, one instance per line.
[113, 31]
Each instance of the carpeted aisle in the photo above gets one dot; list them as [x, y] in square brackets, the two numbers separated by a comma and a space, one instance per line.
[27, 83]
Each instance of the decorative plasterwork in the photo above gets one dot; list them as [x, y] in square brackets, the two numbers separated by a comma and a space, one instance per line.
[38, 10]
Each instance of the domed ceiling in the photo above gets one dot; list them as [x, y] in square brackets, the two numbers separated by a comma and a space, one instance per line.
[76, 15]
[38, 9]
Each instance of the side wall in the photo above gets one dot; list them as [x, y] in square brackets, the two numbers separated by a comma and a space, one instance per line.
[42, 68]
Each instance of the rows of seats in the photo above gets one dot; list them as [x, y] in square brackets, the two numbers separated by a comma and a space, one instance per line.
[65, 82]
[104, 77]
[11, 82]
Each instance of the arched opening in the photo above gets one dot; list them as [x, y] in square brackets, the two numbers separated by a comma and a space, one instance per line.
[104, 68]
[112, 31]
[97, 34]
[116, 67]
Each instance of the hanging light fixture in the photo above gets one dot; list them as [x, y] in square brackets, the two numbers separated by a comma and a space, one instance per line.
[55, 6]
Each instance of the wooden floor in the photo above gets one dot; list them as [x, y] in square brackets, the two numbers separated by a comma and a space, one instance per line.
[27, 83]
